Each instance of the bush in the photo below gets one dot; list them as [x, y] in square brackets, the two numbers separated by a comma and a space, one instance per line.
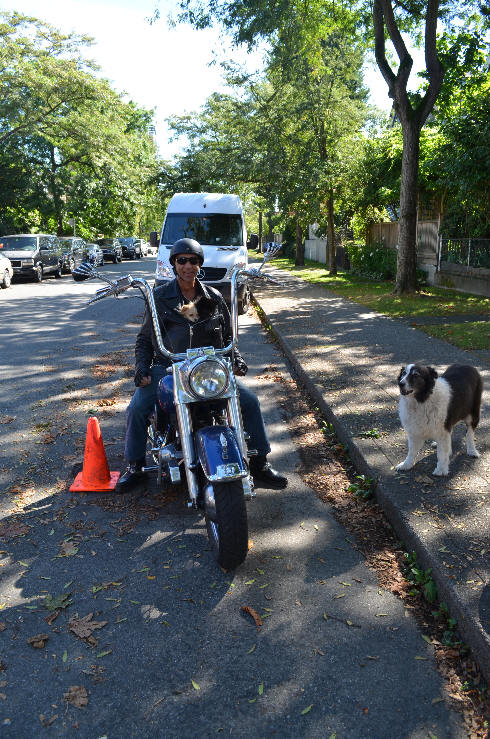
[375, 261]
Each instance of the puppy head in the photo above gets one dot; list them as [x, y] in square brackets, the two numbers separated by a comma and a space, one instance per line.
[417, 380]
[189, 310]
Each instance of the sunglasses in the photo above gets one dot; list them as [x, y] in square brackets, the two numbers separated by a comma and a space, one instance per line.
[183, 260]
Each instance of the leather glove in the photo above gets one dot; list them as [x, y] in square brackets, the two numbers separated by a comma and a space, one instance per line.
[240, 367]
[139, 374]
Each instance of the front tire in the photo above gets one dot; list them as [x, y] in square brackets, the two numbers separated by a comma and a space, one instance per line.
[39, 273]
[227, 525]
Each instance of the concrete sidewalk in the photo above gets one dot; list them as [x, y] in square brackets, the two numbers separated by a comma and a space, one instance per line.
[349, 359]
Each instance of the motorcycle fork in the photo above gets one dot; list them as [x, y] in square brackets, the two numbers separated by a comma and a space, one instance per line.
[187, 441]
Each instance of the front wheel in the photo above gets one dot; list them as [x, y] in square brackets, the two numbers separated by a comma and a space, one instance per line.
[227, 525]
[39, 273]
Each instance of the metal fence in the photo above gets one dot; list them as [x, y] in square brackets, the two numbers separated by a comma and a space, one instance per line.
[470, 252]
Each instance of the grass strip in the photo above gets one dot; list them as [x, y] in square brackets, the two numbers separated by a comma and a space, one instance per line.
[377, 295]
[470, 335]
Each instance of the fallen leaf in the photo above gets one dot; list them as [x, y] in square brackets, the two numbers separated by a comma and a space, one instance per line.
[307, 709]
[77, 696]
[65, 656]
[252, 649]
[83, 627]
[68, 549]
[250, 544]
[57, 602]
[426, 638]
[38, 641]
[261, 689]
[195, 685]
[3, 626]
[254, 614]
[105, 653]
[7, 419]
[45, 721]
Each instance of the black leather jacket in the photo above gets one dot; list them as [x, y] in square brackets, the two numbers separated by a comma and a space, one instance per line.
[179, 334]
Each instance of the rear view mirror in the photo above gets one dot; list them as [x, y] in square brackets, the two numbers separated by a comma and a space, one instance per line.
[84, 271]
[271, 250]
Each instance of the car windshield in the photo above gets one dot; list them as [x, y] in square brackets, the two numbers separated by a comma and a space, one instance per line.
[214, 229]
[18, 243]
[105, 242]
[127, 241]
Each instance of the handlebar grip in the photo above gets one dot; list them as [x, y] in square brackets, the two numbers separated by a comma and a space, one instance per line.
[103, 292]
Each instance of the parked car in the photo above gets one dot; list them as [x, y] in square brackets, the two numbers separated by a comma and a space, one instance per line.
[143, 246]
[74, 252]
[111, 248]
[95, 255]
[131, 247]
[32, 255]
[6, 271]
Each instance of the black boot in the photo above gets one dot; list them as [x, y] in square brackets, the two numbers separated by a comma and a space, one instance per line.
[264, 475]
[132, 478]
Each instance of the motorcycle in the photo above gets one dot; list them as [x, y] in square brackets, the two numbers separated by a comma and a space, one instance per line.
[196, 426]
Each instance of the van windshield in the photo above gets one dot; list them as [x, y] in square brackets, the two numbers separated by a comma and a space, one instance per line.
[18, 243]
[213, 230]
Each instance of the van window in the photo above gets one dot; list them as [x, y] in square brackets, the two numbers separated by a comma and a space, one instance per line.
[212, 230]
[19, 243]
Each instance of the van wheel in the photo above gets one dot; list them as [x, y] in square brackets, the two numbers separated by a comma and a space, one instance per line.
[39, 273]
[244, 305]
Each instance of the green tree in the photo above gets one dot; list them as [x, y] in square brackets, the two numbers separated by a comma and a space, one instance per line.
[382, 19]
[71, 145]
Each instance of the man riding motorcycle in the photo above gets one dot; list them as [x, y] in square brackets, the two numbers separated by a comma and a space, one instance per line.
[213, 328]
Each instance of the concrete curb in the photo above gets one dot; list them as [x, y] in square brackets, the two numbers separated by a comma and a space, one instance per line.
[476, 638]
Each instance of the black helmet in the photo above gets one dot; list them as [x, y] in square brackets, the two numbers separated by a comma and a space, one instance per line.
[186, 246]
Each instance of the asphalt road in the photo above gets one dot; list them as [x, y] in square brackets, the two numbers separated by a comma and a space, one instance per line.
[174, 654]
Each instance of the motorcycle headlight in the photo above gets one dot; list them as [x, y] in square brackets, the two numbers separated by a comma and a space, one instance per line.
[208, 379]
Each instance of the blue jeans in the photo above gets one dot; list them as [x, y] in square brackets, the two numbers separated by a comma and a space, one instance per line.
[143, 402]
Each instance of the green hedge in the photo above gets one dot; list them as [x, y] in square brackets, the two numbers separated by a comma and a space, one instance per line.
[375, 261]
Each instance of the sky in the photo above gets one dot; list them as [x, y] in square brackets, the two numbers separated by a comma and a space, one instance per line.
[158, 66]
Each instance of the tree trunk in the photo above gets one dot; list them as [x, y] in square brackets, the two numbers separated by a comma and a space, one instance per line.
[270, 235]
[300, 250]
[260, 231]
[331, 248]
[406, 270]
[56, 196]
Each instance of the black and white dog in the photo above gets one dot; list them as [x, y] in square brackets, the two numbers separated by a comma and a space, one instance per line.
[430, 406]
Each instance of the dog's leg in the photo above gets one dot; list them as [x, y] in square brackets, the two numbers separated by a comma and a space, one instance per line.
[443, 455]
[414, 446]
[470, 441]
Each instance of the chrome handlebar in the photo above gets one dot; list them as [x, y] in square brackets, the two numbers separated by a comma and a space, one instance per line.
[117, 287]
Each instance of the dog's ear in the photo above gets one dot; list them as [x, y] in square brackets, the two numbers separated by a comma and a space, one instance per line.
[433, 373]
[401, 373]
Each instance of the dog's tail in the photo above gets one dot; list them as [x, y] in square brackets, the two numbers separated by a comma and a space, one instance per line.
[475, 411]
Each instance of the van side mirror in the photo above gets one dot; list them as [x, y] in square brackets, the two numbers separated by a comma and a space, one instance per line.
[154, 239]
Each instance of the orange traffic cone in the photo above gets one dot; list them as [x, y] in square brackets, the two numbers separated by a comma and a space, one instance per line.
[95, 475]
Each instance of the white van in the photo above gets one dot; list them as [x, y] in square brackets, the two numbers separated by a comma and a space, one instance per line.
[216, 221]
